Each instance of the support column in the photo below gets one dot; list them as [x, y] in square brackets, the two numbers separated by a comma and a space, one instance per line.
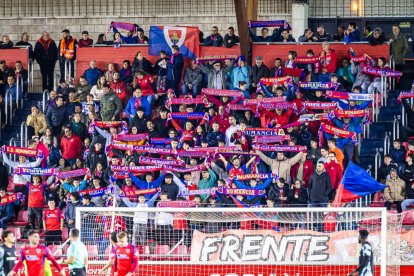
[299, 19]
[241, 16]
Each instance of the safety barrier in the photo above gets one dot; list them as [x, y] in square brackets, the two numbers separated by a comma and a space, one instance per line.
[9, 107]
[68, 70]
[45, 99]
[387, 143]
[377, 163]
[396, 128]
[30, 76]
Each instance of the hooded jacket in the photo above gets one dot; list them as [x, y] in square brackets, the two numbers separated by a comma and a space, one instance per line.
[320, 187]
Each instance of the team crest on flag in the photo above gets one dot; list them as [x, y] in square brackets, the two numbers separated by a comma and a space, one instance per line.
[163, 37]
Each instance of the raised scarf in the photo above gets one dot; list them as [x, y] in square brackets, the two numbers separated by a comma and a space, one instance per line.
[280, 148]
[316, 85]
[242, 192]
[36, 171]
[348, 96]
[22, 151]
[320, 105]
[11, 198]
[222, 92]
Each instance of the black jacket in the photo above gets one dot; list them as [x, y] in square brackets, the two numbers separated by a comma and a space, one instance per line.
[57, 116]
[410, 191]
[140, 124]
[384, 170]
[275, 192]
[93, 158]
[233, 40]
[320, 187]
[407, 173]
[171, 189]
[302, 197]
[4, 176]
[258, 72]
[45, 56]
[162, 126]
[143, 64]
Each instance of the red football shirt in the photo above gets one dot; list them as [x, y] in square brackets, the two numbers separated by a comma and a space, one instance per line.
[35, 260]
[52, 218]
[126, 259]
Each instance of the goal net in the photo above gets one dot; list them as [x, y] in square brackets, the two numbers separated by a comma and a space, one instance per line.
[244, 241]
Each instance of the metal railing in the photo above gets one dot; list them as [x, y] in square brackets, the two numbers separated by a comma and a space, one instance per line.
[375, 107]
[383, 89]
[365, 130]
[30, 76]
[12, 156]
[404, 118]
[23, 134]
[19, 87]
[396, 128]
[387, 143]
[56, 81]
[377, 163]
[9, 107]
[392, 65]
[45, 99]
[68, 70]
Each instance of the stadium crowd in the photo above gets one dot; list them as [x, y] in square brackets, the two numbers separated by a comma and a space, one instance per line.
[212, 133]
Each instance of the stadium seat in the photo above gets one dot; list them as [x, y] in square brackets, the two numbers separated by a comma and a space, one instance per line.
[22, 218]
[144, 250]
[93, 251]
[379, 200]
[180, 250]
[65, 234]
[408, 218]
[17, 232]
[161, 249]
[55, 249]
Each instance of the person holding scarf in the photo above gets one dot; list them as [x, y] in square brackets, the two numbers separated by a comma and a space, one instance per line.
[174, 69]
[328, 62]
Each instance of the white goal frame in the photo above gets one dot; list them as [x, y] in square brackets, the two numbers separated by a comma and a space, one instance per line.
[381, 211]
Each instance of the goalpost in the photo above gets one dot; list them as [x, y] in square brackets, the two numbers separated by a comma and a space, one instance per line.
[244, 241]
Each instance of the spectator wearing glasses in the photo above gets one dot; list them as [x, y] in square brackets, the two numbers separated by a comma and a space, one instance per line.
[215, 39]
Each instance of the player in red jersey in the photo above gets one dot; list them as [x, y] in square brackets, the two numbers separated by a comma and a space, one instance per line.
[126, 257]
[35, 254]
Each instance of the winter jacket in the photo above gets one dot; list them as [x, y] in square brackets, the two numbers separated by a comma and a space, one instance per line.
[46, 53]
[307, 171]
[302, 199]
[111, 106]
[85, 42]
[240, 74]
[261, 186]
[70, 212]
[175, 67]
[395, 190]
[207, 183]
[144, 65]
[96, 93]
[213, 40]
[214, 137]
[384, 171]
[193, 76]
[4, 176]
[38, 122]
[398, 155]
[57, 116]
[258, 72]
[171, 189]
[92, 75]
[71, 188]
[399, 48]
[281, 168]
[125, 75]
[328, 60]
[71, 147]
[212, 75]
[275, 192]
[377, 41]
[407, 173]
[93, 158]
[410, 191]
[322, 38]
[320, 187]
[270, 38]
[13, 91]
[79, 129]
[335, 172]
[230, 41]
[354, 36]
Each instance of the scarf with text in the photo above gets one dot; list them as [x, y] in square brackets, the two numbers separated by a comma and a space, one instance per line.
[131, 137]
[238, 107]
[195, 192]
[188, 100]
[406, 95]
[185, 170]
[263, 132]
[176, 204]
[347, 114]
[250, 176]
[280, 148]
[138, 192]
[359, 59]
[277, 105]
[275, 81]
[222, 92]
[188, 116]
[378, 72]
[135, 169]
[270, 139]
[97, 192]
[216, 58]
[291, 125]
[161, 141]
[313, 117]
[22, 151]
[339, 132]
[310, 60]
[160, 162]
[317, 85]
[242, 192]
[263, 100]
[36, 171]
[348, 96]
[269, 23]
[75, 173]
[11, 198]
[319, 105]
